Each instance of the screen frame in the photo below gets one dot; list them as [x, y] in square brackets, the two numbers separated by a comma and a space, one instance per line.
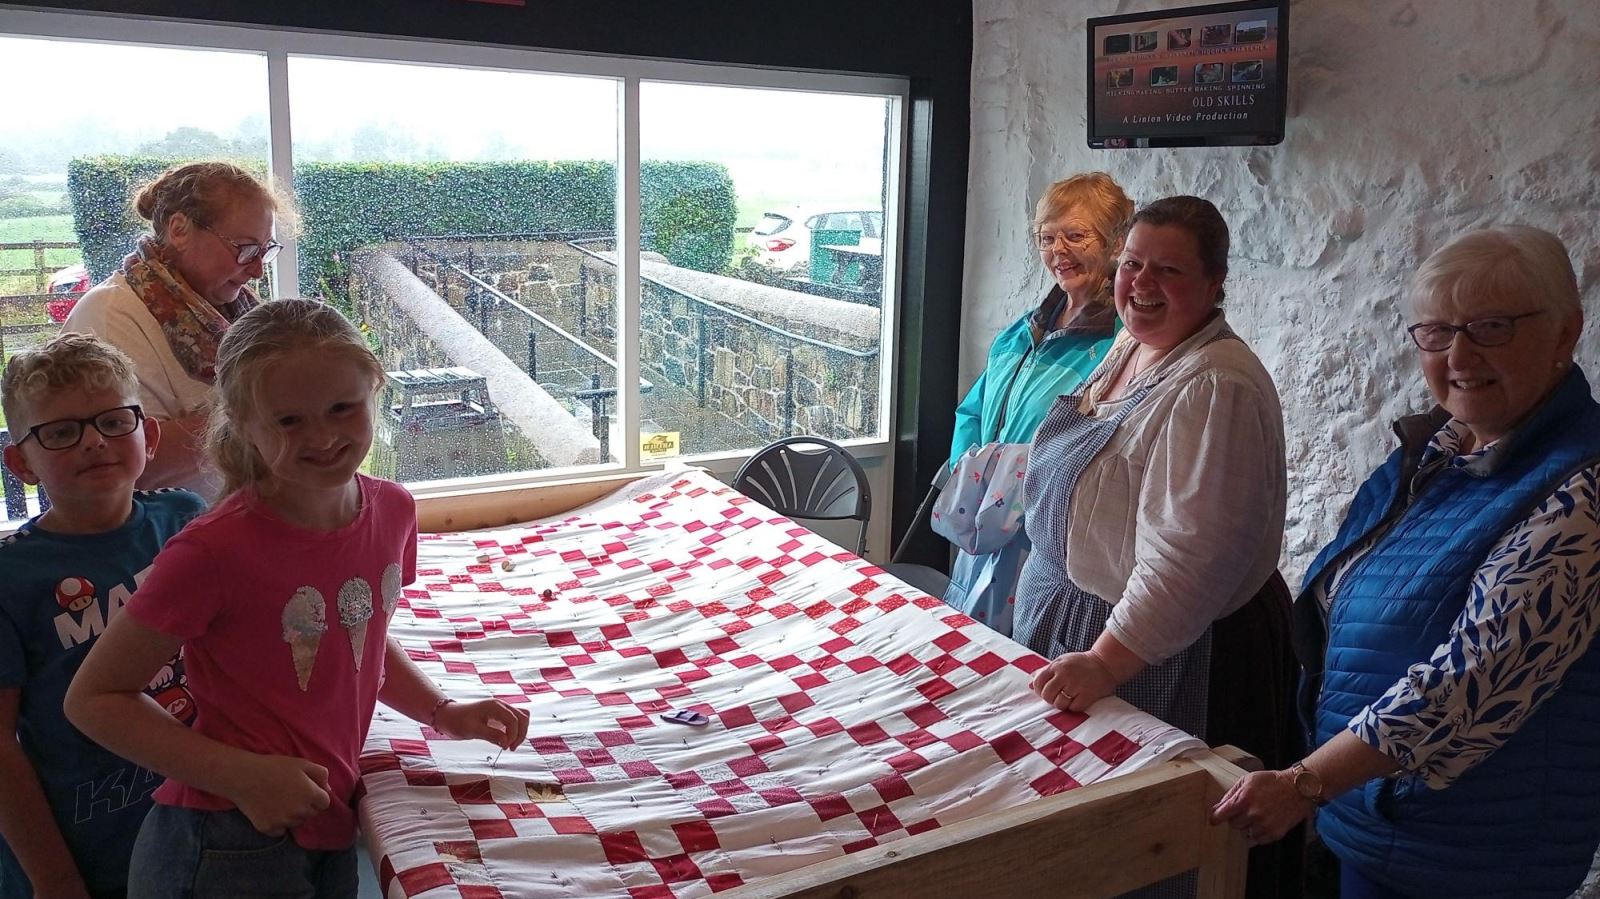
[1280, 113]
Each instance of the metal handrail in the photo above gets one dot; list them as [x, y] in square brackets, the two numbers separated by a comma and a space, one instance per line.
[572, 234]
[765, 326]
[644, 385]
[480, 290]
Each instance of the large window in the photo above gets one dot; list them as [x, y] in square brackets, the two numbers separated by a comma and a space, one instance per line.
[778, 331]
[563, 262]
[71, 112]
[449, 209]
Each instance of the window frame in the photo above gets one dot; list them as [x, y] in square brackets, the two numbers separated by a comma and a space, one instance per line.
[277, 45]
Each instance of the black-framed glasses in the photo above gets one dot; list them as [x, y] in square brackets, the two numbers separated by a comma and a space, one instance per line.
[64, 433]
[1436, 337]
[249, 251]
[1075, 240]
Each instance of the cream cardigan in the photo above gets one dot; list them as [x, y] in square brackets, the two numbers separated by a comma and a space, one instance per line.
[115, 314]
[1178, 521]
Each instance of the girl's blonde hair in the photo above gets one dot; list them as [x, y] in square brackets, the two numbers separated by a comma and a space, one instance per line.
[260, 338]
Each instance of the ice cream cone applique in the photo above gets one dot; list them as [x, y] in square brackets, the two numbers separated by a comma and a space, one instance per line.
[390, 588]
[305, 620]
[355, 608]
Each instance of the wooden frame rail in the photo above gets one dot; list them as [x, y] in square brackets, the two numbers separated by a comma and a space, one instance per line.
[498, 507]
[1096, 841]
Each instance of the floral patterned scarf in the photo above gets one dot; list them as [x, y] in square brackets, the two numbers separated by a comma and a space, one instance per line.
[192, 325]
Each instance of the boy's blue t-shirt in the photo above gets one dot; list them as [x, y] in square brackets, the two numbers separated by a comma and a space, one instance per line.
[57, 591]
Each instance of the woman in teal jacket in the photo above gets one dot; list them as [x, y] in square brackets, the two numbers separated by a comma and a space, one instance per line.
[1078, 230]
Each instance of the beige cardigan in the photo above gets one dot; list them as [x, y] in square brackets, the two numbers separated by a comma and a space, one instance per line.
[114, 313]
[1179, 520]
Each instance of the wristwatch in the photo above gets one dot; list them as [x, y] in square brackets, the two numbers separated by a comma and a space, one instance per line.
[1307, 783]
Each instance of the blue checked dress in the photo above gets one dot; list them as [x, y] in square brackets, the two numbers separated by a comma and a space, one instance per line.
[1054, 616]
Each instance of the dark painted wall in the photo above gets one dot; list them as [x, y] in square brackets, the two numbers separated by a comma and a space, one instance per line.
[928, 42]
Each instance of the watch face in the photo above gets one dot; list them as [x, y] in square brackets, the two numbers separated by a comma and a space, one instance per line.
[1307, 784]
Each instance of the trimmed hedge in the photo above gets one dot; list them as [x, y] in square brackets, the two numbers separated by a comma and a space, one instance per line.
[690, 205]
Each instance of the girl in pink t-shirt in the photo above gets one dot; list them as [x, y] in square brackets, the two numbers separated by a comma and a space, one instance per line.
[280, 597]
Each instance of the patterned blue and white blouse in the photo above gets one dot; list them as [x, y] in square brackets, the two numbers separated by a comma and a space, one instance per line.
[1510, 646]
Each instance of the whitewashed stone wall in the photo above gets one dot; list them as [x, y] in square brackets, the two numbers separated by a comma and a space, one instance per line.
[1410, 121]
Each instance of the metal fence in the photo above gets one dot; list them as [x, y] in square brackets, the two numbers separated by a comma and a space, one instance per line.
[24, 317]
[712, 322]
[563, 363]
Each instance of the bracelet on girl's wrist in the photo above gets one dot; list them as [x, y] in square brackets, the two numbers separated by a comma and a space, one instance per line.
[433, 716]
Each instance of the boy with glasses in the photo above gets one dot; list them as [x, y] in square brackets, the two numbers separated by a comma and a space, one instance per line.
[69, 810]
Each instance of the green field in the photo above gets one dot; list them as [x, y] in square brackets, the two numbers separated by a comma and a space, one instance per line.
[51, 228]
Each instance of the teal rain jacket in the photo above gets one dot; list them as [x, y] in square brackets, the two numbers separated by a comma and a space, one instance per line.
[1029, 366]
[1032, 368]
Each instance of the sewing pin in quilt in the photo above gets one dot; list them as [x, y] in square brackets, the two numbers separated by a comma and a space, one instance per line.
[496, 725]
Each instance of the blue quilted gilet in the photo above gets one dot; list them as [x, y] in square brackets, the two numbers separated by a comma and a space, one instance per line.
[1525, 822]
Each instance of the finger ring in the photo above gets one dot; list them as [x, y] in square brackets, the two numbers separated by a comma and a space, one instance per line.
[1069, 696]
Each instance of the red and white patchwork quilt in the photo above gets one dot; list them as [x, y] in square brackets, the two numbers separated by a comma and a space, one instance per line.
[842, 709]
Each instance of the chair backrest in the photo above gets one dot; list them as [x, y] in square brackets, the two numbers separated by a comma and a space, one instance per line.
[808, 477]
[16, 502]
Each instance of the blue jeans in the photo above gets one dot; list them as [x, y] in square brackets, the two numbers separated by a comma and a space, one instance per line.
[189, 854]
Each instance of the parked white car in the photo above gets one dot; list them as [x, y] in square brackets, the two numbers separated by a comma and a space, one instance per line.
[782, 240]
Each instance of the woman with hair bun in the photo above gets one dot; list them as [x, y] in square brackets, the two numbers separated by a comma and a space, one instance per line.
[169, 303]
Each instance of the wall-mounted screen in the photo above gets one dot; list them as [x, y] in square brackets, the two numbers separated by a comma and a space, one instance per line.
[1192, 77]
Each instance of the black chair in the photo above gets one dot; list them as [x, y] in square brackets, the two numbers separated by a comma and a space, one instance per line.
[814, 478]
[11, 486]
[824, 483]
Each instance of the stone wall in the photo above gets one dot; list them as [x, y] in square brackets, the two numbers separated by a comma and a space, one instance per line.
[772, 383]
[1410, 121]
[416, 328]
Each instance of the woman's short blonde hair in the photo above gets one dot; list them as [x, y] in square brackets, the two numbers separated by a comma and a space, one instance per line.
[1497, 263]
[1094, 195]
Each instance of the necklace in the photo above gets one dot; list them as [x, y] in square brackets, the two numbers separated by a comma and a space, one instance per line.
[1113, 388]
[1140, 366]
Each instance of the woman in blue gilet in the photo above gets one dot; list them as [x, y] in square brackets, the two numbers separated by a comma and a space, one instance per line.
[1452, 684]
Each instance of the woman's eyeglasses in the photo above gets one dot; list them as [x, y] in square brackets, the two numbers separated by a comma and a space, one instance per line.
[1436, 337]
[1075, 240]
[249, 251]
[64, 433]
